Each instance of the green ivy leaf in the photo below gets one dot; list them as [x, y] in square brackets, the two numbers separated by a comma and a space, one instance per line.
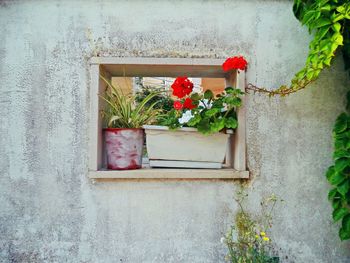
[322, 32]
[341, 153]
[339, 213]
[332, 194]
[309, 16]
[341, 123]
[336, 178]
[322, 22]
[336, 204]
[344, 187]
[341, 164]
[341, 9]
[336, 27]
[346, 222]
[343, 234]
[330, 172]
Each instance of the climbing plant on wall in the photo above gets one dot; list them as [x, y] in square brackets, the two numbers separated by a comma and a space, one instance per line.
[329, 22]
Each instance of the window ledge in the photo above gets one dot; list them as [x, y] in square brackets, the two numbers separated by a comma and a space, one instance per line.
[164, 173]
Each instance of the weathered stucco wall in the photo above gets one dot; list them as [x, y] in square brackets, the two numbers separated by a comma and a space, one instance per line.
[51, 212]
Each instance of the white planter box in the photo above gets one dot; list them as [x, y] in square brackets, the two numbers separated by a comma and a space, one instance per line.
[185, 147]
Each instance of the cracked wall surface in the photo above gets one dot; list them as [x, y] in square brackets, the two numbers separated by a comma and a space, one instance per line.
[51, 212]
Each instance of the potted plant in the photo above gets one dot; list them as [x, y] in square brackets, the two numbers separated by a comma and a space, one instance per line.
[195, 133]
[124, 136]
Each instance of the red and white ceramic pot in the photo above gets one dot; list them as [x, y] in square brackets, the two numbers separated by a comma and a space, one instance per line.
[124, 148]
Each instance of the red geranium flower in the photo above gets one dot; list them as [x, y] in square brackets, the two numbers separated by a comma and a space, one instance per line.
[178, 105]
[182, 86]
[188, 104]
[234, 63]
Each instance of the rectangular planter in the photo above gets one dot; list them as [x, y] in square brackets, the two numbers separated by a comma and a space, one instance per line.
[185, 147]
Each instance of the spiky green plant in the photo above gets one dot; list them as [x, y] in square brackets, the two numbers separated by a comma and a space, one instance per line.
[122, 111]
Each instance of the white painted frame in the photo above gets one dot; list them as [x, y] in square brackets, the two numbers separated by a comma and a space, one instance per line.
[170, 67]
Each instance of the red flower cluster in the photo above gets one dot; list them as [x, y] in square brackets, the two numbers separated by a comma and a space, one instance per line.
[188, 104]
[178, 105]
[182, 86]
[234, 63]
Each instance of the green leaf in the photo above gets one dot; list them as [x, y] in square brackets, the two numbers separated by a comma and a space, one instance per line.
[336, 203]
[194, 120]
[208, 94]
[341, 123]
[322, 22]
[229, 90]
[217, 125]
[322, 32]
[344, 187]
[341, 153]
[338, 39]
[195, 97]
[234, 101]
[344, 234]
[338, 17]
[211, 112]
[308, 16]
[341, 9]
[204, 126]
[339, 213]
[336, 178]
[346, 222]
[332, 193]
[336, 27]
[231, 123]
[326, 8]
[330, 172]
[341, 164]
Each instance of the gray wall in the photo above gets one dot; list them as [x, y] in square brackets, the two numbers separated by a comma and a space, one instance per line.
[51, 212]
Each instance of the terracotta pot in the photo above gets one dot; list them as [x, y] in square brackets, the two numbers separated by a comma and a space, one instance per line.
[124, 148]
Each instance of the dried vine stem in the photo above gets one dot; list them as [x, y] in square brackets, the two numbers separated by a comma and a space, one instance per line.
[282, 91]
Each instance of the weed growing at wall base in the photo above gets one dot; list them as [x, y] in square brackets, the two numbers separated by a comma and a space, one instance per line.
[247, 240]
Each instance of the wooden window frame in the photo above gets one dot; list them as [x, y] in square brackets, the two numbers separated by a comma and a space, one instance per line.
[163, 67]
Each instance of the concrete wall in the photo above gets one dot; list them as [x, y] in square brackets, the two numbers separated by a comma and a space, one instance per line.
[51, 212]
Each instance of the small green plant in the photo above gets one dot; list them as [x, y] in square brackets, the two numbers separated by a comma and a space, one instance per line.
[164, 102]
[247, 239]
[204, 111]
[122, 111]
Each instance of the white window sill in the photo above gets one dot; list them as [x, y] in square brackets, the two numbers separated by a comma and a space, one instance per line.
[166, 173]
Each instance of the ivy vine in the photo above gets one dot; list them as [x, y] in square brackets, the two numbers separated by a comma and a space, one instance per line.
[329, 22]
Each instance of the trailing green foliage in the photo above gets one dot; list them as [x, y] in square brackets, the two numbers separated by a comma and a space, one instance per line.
[338, 175]
[121, 111]
[211, 114]
[329, 21]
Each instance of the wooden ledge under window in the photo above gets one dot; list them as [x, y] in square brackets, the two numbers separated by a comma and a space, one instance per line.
[165, 173]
